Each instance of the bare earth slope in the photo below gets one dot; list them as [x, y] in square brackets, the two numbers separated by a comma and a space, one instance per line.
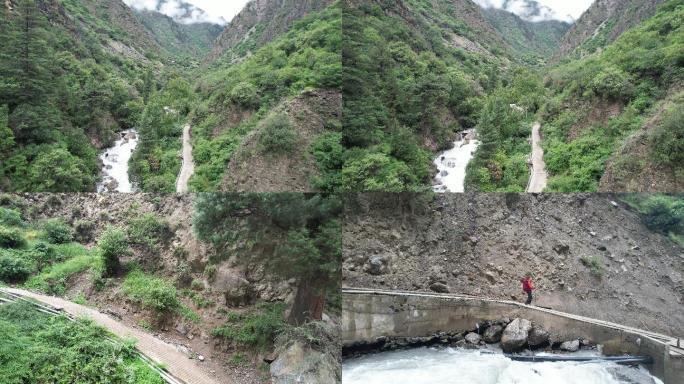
[482, 244]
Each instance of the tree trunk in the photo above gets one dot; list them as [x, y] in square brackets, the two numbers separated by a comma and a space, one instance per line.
[309, 302]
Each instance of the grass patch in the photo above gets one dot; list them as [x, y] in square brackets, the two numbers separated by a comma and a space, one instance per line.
[257, 328]
[594, 264]
[151, 292]
[37, 348]
[53, 279]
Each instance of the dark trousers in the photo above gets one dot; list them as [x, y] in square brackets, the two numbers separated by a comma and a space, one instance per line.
[529, 298]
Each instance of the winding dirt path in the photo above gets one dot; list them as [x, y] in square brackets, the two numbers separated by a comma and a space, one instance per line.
[539, 175]
[177, 363]
[188, 167]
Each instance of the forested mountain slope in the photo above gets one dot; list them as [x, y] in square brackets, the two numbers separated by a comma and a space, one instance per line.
[259, 23]
[533, 41]
[621, 107]
[193, 40]
[604, 22]
[72, 74]
[279, 104]
[415, 72]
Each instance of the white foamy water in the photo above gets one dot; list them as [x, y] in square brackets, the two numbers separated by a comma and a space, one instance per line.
[115, 160]
[457, 366]
[452, 164]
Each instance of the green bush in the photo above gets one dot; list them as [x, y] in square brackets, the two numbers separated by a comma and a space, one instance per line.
[594, 264]
[13, 269]
[258, 328]
[83, 230]
[10, 217]
[667, 140]
[210, 272]
[245, 94]
[151, 292]
[113, 245]
[11, 238]
[277, 135]
[56, 231]
[38, 348]
[148, 230]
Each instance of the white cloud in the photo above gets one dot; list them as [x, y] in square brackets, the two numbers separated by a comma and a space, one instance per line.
[223, 8]
[213, 11]
[564, 10]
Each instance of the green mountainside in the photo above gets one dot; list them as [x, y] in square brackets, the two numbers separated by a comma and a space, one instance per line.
[620, 107]
[267, 110]
[180, 40]
[602, 23]
[71, 77]
[533, 41]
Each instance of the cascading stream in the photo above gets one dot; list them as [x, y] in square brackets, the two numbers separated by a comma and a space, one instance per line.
[452, 164]
[115, 164]
[459, 366]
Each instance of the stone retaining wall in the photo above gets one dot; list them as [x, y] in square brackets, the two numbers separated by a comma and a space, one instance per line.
[369, 315]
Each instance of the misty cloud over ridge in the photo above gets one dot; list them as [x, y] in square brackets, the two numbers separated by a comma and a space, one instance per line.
[178, 10]
[529, 10]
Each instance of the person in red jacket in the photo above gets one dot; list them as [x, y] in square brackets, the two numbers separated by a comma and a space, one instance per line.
[528, 287]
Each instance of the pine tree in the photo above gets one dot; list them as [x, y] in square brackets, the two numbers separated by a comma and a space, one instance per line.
[291, 235]
[24, 56]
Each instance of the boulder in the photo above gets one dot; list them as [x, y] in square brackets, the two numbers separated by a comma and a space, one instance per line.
[537, 337]
[300, 364]
[439, 287]
[473, 338]
[377, 265]
[570, 346]
[493, 334]
[236, 289]
[514, 336]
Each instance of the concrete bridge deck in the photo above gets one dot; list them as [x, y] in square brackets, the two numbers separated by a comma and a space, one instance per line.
[371, 313]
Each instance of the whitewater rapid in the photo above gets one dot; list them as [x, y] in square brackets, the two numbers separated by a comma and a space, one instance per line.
[452, 164]
[115, 164]
[458, 366]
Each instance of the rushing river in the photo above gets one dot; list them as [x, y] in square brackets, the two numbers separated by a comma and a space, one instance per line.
[115, 164]
[458, 366]
[452, 164]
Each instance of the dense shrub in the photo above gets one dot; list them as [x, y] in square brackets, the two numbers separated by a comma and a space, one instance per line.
[83, 230]
[667, 140]
[277, 135]
[11, 238]
[10, 217]
[245, 94]
[56, 231]
[13, 269]
[148, 230]
[258, 328]
[38, 348]
[113, 245]
[151, 292]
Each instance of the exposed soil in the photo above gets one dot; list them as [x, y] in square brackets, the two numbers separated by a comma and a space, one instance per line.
[250, 169]
[483, 244]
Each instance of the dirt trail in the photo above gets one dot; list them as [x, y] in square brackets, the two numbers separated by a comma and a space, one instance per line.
[188, 167]
[177, 363]
[539, 176]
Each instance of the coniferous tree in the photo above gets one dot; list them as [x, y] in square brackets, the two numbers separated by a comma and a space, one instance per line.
[291, 235]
